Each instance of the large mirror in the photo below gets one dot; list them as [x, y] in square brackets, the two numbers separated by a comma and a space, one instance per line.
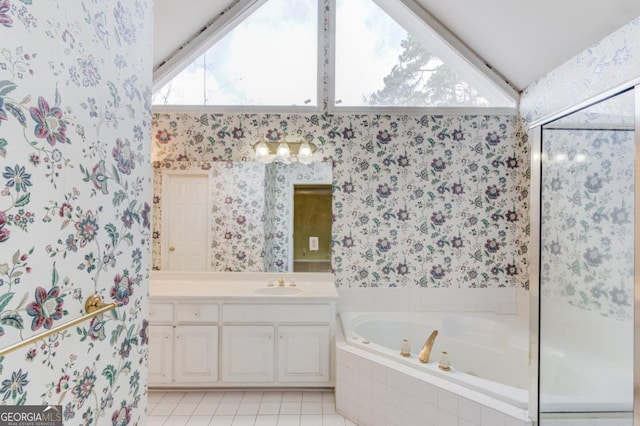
[239, 216]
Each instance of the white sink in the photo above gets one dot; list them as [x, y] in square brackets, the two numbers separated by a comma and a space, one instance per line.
[278, 291]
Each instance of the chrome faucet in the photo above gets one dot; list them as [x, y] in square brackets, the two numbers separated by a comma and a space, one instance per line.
[428, 345]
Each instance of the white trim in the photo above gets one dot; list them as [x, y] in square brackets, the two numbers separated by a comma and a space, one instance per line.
[535, 199]
[238, 109]
[361, 110]
[586, 103]
[448, 111]
[164, 226]
[201, 42]
[330, 47]
[636, 278]
[321, 81]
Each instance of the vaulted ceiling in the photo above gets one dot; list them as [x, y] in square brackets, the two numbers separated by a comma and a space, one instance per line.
[521, 39]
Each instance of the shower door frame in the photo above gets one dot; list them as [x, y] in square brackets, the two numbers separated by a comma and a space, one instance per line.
[636, 266]
[535, 133]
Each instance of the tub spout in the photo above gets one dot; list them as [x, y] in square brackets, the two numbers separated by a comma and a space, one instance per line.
[426, 349]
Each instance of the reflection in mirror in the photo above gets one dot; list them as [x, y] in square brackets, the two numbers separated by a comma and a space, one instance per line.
[248, 225]
[311, 228]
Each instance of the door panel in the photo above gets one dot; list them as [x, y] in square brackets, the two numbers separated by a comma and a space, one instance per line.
[247, 353]
[303, 353]
[197, 353]
[161, 353]
[186, 220]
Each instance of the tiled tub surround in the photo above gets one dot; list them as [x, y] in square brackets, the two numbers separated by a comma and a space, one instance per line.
[502, 300]
[377, 386]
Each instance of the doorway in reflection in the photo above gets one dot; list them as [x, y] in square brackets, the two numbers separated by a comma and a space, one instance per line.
[311, 228]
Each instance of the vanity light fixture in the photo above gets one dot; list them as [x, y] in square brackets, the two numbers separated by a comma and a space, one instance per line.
[284, 152]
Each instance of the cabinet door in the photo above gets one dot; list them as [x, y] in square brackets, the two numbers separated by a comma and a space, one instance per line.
[247, 353]
[303, 353]
[196, 349]
[160, 354]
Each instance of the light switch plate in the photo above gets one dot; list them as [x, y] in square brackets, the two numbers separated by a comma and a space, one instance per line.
[313, 243]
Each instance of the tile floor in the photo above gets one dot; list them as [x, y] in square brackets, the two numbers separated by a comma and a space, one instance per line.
[244, 408]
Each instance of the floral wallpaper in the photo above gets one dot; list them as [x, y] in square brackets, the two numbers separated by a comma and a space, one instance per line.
[429, 201]
[238, 216]
[75, 204]
[613, 61]
[587, 247]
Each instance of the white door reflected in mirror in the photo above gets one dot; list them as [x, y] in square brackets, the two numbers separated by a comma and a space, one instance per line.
[186, 214]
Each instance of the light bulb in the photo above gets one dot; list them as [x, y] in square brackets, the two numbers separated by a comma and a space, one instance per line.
[305, 154]
[262, 153]
[283, 151]
[262, 150]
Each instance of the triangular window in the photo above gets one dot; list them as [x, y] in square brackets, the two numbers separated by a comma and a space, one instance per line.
[386, 56]
[270, 58]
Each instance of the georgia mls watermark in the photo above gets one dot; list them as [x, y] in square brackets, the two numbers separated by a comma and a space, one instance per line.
[31, 415]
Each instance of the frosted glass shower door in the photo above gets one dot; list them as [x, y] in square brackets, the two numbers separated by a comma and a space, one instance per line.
[587, 265]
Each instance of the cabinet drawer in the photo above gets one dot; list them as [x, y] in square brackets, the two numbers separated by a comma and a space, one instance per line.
[197, 312]
[161, 312]
[279, 313]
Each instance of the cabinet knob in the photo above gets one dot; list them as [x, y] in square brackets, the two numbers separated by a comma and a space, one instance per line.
[172, 248]
[196, 313]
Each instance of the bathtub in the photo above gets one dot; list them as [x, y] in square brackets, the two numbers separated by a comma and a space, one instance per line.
[488, 378]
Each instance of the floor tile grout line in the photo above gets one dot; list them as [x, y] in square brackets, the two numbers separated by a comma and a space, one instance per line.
[316, 397]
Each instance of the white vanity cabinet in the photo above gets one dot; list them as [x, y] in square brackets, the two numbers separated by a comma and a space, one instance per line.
[279, 344]
[210, 331]
[183, 344]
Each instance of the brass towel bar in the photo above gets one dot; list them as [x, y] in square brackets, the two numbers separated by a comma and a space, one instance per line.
[93, 306]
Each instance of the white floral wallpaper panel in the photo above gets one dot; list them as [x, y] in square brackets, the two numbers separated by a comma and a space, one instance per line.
[613, 61]
[75, 204]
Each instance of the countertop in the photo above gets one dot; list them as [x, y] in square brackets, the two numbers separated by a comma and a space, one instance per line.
[254, 285]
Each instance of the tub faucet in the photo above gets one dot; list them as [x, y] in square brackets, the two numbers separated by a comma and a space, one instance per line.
[428, 345]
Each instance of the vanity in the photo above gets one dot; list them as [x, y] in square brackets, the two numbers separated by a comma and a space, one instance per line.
[262, 329]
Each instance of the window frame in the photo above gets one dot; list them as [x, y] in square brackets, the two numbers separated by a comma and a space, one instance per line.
[326, 70]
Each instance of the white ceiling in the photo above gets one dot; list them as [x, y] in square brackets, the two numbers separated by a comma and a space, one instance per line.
[521, 39]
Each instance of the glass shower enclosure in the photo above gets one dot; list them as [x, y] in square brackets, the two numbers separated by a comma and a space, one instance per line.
[584, 166]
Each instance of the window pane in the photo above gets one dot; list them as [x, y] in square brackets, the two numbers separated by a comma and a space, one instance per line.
[185, 88]
[268, 59]
[378, 63]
